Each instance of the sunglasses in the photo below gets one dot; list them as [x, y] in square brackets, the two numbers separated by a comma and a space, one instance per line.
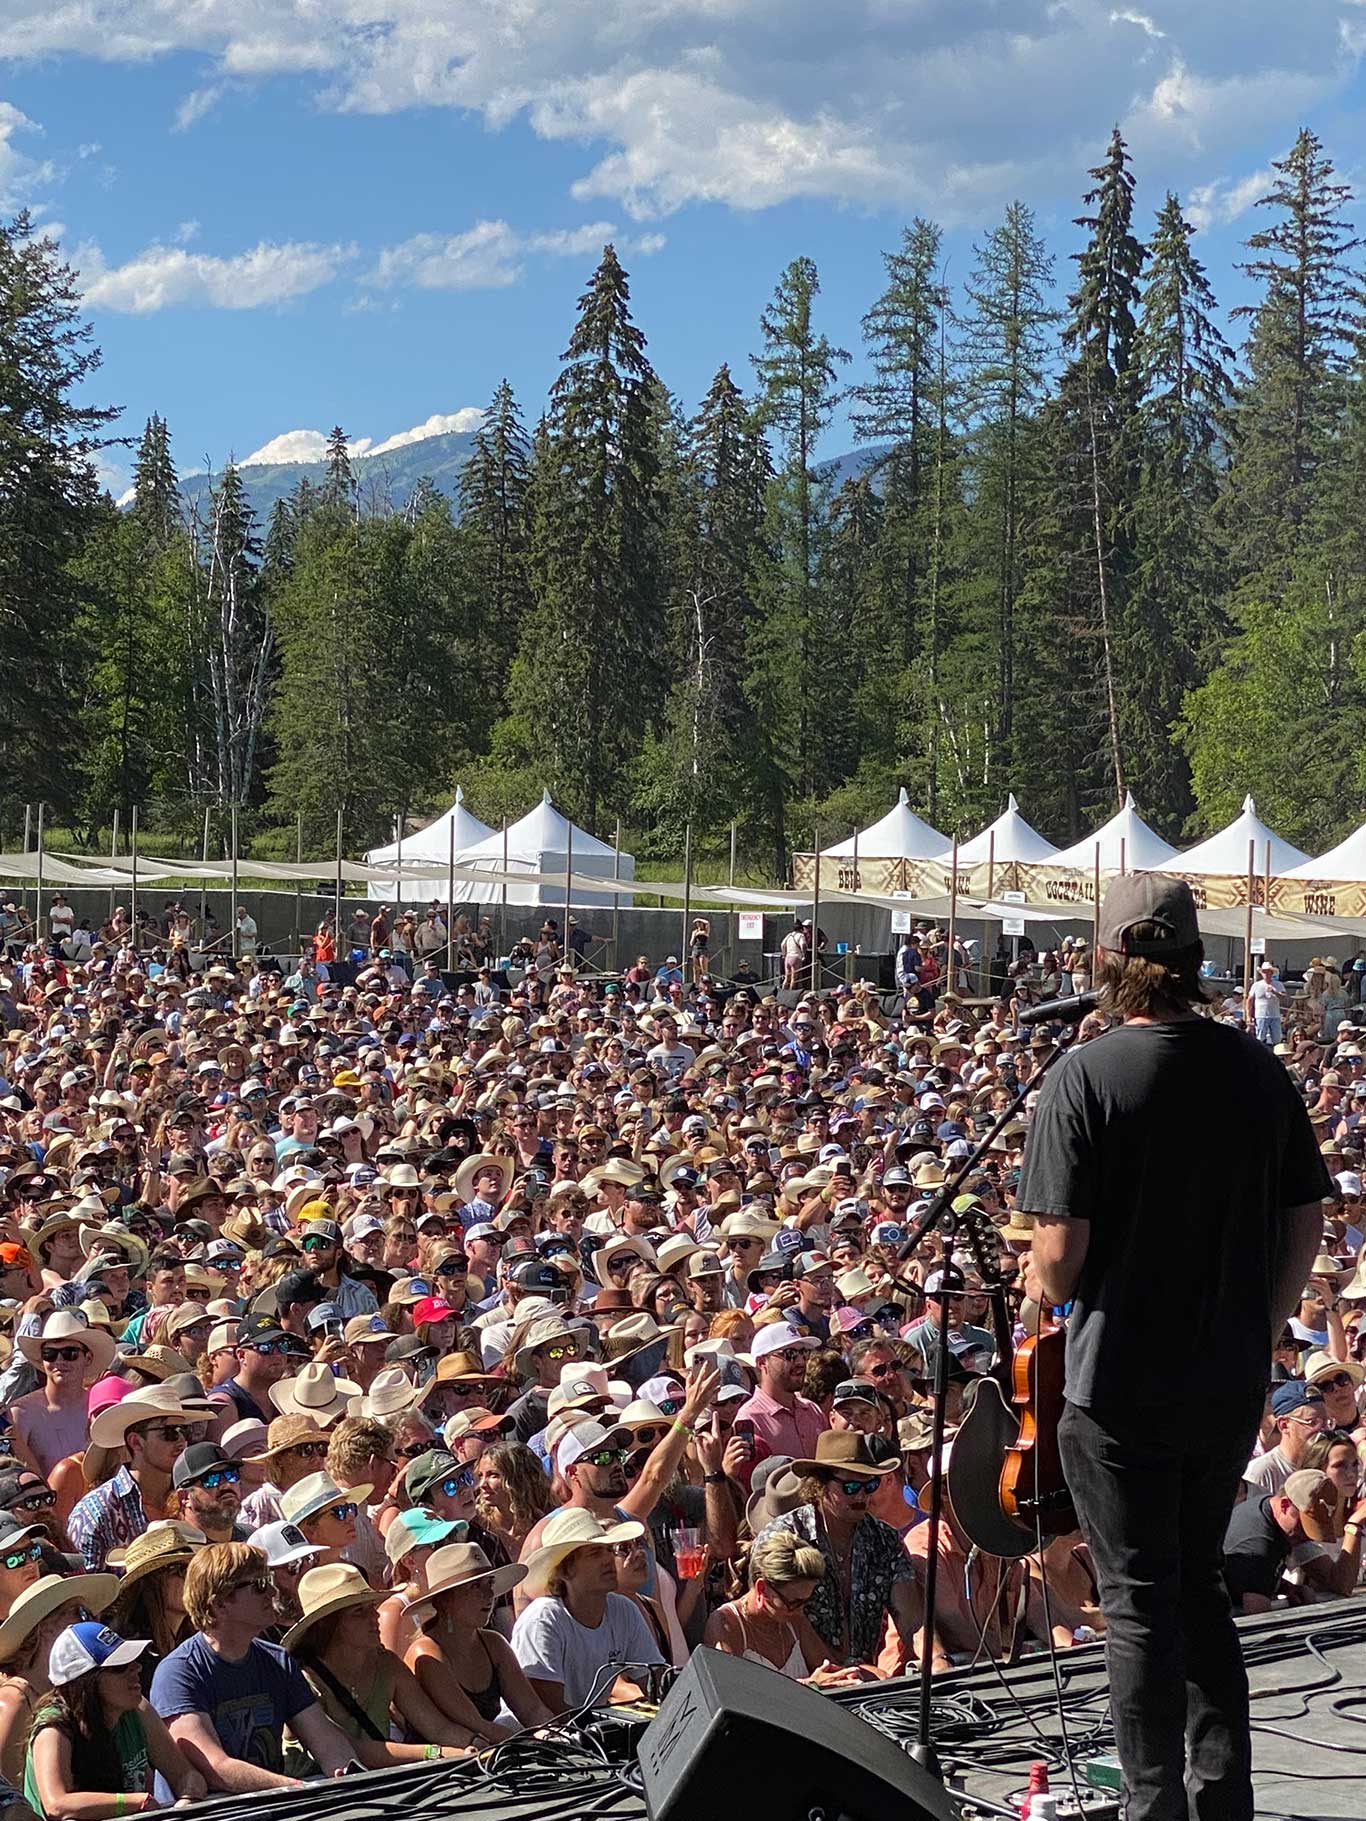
[861, 1332]
[646, 1438]
[69, 1354]
[850, 1488]
[221, 1476]
[624, 1551]
[317, 1244]
[1338, 1382]
[40, 1499]
[458, 1482]
[309, 1451]
[885, 1370]
[267, 1347]
[34, 1553]
[782, 1599]
[409, 1452]
[606, 1457]
[347, 1509]
[564, 1353]
[788, 1354]
[171, 1432]
[259, 1583]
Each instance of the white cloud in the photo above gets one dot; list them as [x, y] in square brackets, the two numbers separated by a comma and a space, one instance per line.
[186, 231]
[311, 445]
[161, 276]
[17, 170]
[485, 257]
[1226, 198]
[196, 104]
[949, 105]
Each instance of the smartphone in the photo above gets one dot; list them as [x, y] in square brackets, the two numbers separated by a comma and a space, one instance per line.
[743, 1426]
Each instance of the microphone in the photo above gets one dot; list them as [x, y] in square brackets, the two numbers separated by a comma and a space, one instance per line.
[1059, 1011]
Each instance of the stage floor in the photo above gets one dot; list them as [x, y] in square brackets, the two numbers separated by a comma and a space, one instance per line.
[1307, 1670]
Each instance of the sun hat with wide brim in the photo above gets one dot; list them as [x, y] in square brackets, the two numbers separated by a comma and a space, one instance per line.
[463, 1181]
[315, 1392]
[571, 1529]
[1317, 1364]
[461, 1565]
[391, 1392]
[49, 1595]
[67, 1325]
[844, 1451]
[333, 1587]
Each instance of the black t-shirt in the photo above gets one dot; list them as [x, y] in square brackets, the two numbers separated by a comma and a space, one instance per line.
[1181, 1144]
[1255, 1549]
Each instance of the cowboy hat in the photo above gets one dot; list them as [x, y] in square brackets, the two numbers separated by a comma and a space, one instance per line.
[96, 1241]
[332, 1588]
[776, 1490]
[621, 1170]
[747, 1226]
[163, 1544]
[398, 1176]
[154, 1362]
[391, 1391]
[460, 1369]
[314, 1392]
[68, 1325]
[286, 1432]
[109, 1429]
[461, 1565]
[570, 1529]
[463, 1180]
[318, 1492]
[1319, 1363]
[49, 1595]
[843, 1451]
[541, 1334]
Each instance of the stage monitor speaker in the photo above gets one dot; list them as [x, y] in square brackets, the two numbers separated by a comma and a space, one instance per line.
[734, 1738]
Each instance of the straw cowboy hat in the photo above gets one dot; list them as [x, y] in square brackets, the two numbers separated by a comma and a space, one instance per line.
[391, 1392]
[463, 1181]
[1319, 1365]
[624, 1339]
[1355, 1292]
[332, 1588]
[154, 1362]
[162, 1545]
[571, 1529]
[49, 1595]
[310, 1497]
[286, 1432]
[109, 1429]
[621, 1170]
[99, 1241]
[461, 1565]
[314, 1392]
[67, 1325]
[398, 1176]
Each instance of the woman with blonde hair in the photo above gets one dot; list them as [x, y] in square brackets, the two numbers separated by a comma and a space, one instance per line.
[768, 1624]
[514, 1493]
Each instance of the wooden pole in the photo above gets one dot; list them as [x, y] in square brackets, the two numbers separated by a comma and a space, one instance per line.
[298, 902]
[1123, 856]
[28, 832]
[503, 912]
[204, 883]
[450, 898]
[687, 892]
[337, 896]
[616, 896]
[1266, 886]
[856, 884]
[816, 919]
[568, 889]
[133, 888]
[236, 944]
[38, 887]
[1247, 927]
[113, 855]
[951, 971]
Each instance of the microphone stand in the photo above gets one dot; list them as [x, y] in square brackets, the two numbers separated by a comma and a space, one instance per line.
[923, 1750]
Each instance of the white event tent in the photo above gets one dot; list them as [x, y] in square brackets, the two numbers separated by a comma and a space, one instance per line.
[1124, 841]
[1014, 841]
[543, 841]
[1345, 861]
[432, 846]
[900, 835]
[1227, 851]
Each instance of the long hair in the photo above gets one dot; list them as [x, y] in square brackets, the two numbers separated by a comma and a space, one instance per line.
[142, 1612]
[1141, 986]
[525, 1479]
[77, 1711]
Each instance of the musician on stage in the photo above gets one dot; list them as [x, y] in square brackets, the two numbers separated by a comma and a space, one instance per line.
[1182, 1256]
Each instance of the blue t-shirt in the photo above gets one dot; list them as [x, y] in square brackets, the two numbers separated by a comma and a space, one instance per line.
[249, 1702]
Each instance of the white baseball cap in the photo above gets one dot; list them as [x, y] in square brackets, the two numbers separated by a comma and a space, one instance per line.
[777, 1335]
[282, 1544]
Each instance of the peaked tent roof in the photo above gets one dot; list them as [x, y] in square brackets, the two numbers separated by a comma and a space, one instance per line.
[1345, 861]
[1226, 852]
[1126, 835]
[433, 841]
[543, 830]
[1015, 840]
[900, 835]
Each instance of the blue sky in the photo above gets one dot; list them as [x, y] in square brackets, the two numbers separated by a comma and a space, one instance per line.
[289, 213]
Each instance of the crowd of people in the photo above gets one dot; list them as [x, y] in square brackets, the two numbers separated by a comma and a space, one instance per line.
[392, 1366]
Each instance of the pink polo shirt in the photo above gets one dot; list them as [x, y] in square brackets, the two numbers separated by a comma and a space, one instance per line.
[778, 1430]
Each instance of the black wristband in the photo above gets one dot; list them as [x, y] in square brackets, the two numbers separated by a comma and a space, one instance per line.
[713, 1479]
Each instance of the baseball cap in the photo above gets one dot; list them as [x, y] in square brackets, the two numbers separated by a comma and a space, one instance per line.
[1157, 898]
[855, 1391]
[323, 1315]
[583, 1439]
[258, 1328]
[536, 1274]
[779, 1334]
[417, 1526]
[283, 1543]
[90, 1645]
[197, 1460]
[888, 1233]
[1294, 1395]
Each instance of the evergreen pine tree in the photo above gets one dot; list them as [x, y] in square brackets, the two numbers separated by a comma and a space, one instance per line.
[339, 487]
[239, 640]
[156, 489]
[493, 513]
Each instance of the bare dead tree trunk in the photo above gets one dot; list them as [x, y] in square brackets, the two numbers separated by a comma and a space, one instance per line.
[1106, 637]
